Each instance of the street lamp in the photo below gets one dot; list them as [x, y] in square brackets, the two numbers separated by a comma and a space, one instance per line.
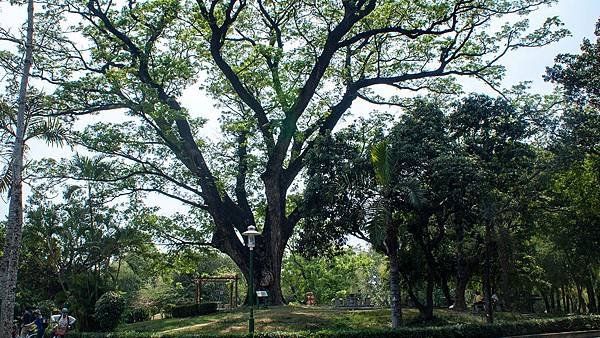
[251, 233]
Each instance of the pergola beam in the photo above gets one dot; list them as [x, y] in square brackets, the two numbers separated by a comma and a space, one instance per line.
[219, 279]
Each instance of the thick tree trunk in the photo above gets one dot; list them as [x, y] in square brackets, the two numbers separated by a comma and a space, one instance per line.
[428, 315]
[267, 274]
[268, 256]
[462, 279]
[12, 245]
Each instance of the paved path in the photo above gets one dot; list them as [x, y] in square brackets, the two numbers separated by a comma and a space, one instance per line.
[574, 334]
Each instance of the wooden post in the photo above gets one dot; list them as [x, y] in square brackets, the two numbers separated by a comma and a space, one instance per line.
[197, 287]
[236, 290]
[231, 295]
[200, 291]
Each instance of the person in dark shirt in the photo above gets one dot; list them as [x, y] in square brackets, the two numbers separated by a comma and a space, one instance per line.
[39, 323]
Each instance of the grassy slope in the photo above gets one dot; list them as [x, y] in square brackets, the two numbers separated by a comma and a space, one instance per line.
[296, 318]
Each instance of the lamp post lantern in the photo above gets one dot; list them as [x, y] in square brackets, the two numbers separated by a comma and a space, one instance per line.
[251, 233]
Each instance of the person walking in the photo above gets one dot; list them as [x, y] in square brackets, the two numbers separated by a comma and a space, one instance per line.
[64, 322]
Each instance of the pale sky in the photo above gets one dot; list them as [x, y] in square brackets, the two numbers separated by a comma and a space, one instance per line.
[579, 16]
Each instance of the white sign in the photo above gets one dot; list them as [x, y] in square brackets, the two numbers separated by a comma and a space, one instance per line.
[262, 294]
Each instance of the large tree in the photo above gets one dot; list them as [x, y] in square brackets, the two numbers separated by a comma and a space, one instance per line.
[498, 135]
[283, 72]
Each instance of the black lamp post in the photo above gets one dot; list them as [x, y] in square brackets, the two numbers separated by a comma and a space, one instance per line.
[251, 233]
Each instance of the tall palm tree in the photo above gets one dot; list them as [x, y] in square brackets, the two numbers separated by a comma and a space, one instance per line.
[383, 167]
[14, 225]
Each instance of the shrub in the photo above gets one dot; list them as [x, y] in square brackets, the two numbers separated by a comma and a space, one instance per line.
[138, 314]
[189, 310]
[109, 309]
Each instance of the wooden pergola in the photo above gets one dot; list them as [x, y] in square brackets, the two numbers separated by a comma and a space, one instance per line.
[233, 287]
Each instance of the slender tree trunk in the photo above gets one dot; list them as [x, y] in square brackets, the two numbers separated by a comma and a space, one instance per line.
[564, 299]
[505, 261]
[591, 294]
[410, 289]
[487, 288]
[392, 246]
[446, 289]
[581, 307]
[116, 280]
[12, 245]
[546, 301]
[555, 301]
[552, 301]
[462, 271]
[560, 306]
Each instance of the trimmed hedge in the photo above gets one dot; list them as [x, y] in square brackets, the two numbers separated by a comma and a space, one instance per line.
[190, 310]
[532, 326]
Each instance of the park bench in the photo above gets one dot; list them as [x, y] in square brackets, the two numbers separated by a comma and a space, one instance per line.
[352, 302]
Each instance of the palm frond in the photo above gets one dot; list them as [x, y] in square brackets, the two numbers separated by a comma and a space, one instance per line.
[380, 157]
[91, 167]
[378, 215]
[413, 192]
[6, 179]
[51, 130]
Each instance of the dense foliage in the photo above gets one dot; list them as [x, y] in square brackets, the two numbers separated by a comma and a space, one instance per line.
[109, 310]
[472, 184]
[362, 274]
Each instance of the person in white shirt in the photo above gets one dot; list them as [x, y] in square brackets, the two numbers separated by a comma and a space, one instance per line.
[64, 321]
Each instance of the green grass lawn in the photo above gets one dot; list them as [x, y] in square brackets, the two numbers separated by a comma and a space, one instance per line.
[299, 318]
